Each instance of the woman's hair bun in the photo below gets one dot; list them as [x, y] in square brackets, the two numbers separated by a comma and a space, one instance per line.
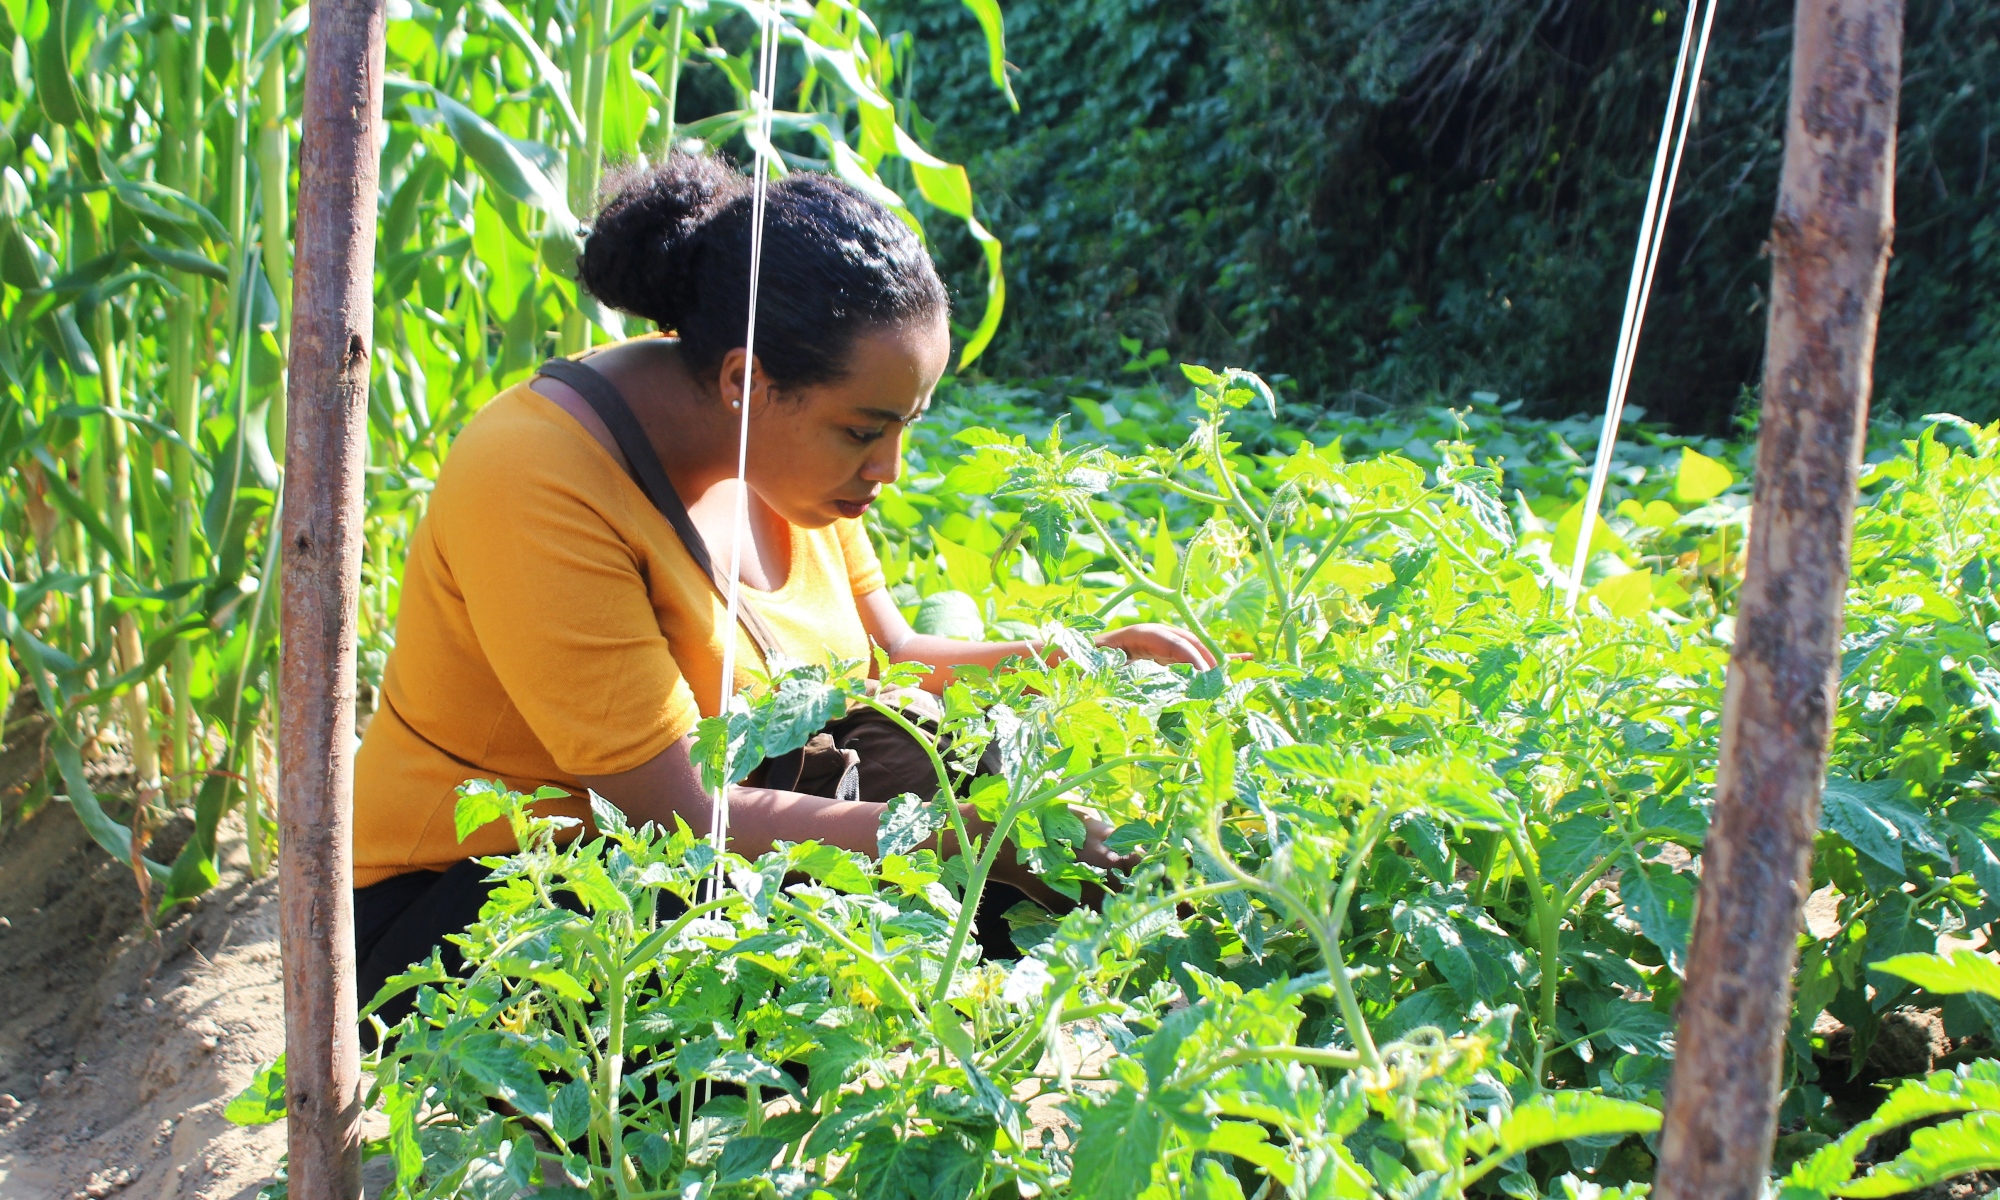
[639, 257]
[672, 244]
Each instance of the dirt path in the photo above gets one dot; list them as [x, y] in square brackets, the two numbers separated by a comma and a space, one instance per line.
[119, 1048]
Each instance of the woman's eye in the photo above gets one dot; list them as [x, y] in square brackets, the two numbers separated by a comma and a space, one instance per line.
[864, 436]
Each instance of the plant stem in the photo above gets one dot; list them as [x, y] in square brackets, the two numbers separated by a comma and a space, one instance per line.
[1574, 896]
[273, 171]
[1485, 853]
[1226, 476]
[944, 792]
[672, 98]
[243, 740]
[1343, 982]
[1326, 936]
[1286, 624]
[611, 1076]
[1314, 1056]
[1549, 933]
[846, 943]
[975, 887]
[1117, 598]
[590, 58]
[1018, 1042]
[182, 395]
[130, 649]
[975, 884]
[1140, 580]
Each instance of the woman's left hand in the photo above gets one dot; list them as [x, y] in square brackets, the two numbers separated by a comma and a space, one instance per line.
[1160, 644]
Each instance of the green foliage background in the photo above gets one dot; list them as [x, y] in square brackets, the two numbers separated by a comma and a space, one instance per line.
[1392, 198]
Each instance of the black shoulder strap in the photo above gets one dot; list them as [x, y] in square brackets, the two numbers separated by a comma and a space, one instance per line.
[610, 407]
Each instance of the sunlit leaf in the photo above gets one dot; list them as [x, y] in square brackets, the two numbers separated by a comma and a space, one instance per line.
[1699, 478]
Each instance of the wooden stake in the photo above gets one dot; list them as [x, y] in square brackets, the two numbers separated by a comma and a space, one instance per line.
[326, 448]
[1830, 251]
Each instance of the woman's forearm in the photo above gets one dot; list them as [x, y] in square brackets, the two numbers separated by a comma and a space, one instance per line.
[761, 816]
[888, 628]
[941, 654]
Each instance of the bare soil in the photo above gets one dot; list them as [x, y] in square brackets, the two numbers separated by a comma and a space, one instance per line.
[120, 1045]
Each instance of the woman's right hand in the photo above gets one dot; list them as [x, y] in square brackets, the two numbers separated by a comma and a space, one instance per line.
[1094, 853]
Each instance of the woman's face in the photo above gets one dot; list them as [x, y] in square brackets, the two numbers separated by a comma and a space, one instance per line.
[821, 453]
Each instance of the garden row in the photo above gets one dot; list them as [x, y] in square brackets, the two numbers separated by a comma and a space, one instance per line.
[1416, 876]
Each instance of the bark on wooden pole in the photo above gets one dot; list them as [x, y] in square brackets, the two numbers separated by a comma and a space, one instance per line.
[1830, 250]
[326, 446]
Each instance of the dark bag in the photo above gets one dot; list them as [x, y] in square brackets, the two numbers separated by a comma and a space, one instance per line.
[861, 756]
[871, 757]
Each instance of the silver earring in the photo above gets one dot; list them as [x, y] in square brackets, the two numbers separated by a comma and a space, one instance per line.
[736, 404]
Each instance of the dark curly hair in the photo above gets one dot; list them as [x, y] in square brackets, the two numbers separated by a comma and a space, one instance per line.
[672, 245]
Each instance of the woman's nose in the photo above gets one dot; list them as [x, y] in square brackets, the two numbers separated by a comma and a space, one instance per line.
[885, 465]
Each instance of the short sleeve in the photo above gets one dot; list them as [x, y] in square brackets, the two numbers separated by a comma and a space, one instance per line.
[864, 568]
[559, 606]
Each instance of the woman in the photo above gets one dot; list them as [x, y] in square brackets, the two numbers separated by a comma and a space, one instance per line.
[555, 629]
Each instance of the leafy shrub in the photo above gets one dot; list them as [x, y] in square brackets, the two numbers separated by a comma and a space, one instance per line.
[1400, 198]
[1416, 879]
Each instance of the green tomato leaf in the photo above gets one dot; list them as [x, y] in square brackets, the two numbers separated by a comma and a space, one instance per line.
[1051, 524]
[834, 867]
[1877, 821]
[1427, 844]
[738, 1066]
[569, 1115]
[1573, 846]
[1660, 901]
[1212, 1182]
[480, 803]
[1493, 671]
[1936, 1154]
[801, 705]
[1975, 835]
[858, 1111]
[401, 1105]
[1945, 974]
[1560, 1116]
[1252, 1144]
[1118, 1141]
[263, 1102]
[943, 1166]
[1216, 758]
[1464, 945]
[906, 822]
[746, 1157]
[500, 1064]
[1633, 1028]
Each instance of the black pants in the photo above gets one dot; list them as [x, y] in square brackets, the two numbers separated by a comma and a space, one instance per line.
[400, 920]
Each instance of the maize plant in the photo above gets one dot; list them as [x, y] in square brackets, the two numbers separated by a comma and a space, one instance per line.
[146, 184]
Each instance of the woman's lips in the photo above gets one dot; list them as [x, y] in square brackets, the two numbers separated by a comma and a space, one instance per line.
[852, 508]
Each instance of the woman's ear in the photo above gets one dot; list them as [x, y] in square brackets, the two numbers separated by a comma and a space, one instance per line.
[729, 382]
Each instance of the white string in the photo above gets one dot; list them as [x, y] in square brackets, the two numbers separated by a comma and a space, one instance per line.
[1645, 259]
[760, 174]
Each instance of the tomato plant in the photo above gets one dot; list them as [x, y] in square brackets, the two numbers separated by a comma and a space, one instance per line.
[1416, 872]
